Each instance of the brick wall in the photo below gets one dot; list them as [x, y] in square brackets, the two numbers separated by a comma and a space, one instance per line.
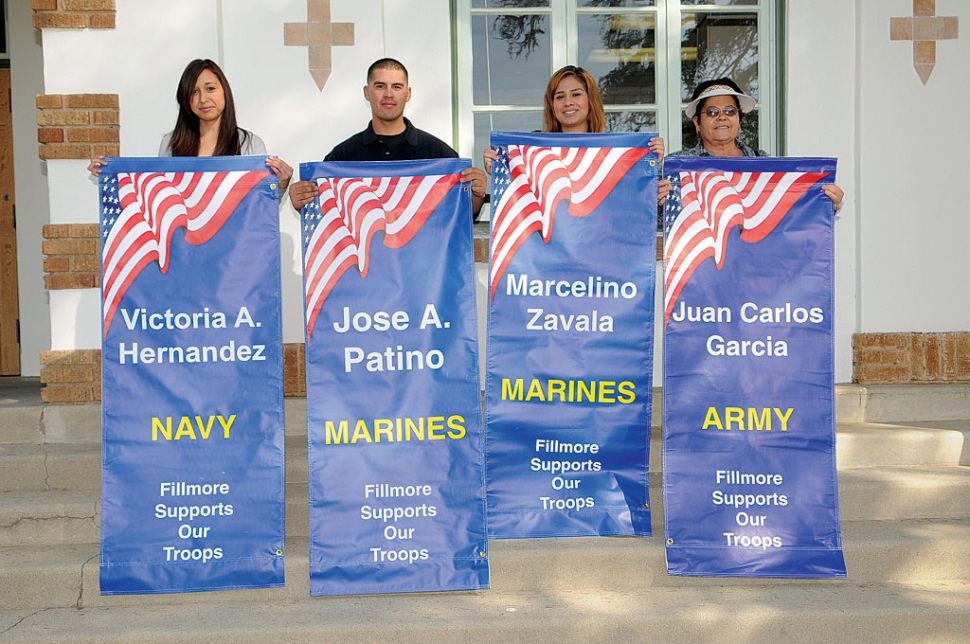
[71, 256]
[71, 377]
[294, 369]
[73, 14]
[77, 126]
[897, 358]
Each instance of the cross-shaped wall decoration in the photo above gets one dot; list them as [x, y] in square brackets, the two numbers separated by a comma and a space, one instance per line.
[318, 34]
[924, 29]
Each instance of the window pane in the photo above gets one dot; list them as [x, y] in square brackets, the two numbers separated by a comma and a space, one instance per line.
[485, 124]
[507, 4]
[748, 134]
[614, 3]
[618, 50]
[511, 59]
[631, 121]
[719, 46]
[717, 3]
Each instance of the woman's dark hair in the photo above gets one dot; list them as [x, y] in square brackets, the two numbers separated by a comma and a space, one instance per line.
[711, 83]
[596, 121]
[185, 137]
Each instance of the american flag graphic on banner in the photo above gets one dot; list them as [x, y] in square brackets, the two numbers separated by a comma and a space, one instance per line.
[699, 217]
[141, 211]
[339, 224]
[534, 180]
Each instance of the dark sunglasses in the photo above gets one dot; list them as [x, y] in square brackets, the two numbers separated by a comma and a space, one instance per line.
[728, 111]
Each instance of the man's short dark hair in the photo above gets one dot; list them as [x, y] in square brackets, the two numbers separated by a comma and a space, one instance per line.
[386, 63]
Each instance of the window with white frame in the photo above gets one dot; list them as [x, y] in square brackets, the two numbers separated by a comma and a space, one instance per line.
[647, 57]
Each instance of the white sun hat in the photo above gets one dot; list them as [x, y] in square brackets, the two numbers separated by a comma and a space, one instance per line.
[746, 102]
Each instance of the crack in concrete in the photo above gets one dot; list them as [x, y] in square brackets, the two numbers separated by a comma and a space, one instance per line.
[47, 473]
[59, 517]
[21, 620]
[80, 595]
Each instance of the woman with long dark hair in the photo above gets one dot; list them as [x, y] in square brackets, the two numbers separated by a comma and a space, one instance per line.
[206, 124]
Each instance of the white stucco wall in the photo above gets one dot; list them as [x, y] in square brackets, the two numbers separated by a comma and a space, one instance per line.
[912, 174]
[275, 96]
[853, 93]
[820, 121]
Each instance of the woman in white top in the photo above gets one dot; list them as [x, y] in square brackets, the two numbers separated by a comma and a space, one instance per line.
[206, 124]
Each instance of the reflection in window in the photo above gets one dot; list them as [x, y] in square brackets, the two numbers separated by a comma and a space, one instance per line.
[719, 46]
[631, 121]
[508, 4]
[511, 58]
[614, 3]
[619, 51]
[717, 3]
[507, 50]
[485, 124]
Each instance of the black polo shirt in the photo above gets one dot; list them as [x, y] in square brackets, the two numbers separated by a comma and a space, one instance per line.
[369, 146]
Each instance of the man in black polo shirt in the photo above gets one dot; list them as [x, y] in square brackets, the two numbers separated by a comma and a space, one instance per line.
[389, 136]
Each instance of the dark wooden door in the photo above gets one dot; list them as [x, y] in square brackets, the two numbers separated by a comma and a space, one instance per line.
[9, 305]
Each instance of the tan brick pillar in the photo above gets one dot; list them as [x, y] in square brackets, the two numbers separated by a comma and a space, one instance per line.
[77, 126]
[73, 14]
[896, 358]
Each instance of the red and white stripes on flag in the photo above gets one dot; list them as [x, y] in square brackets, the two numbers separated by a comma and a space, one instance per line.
[348, 213]
[712, 204]
[539, 178]
[150, 206]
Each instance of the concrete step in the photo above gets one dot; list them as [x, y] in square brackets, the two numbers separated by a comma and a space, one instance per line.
[858, 445]
[900, 493]
[753, 614]
[895, 445]
[876, 552]
[50, 466]
[53, 517]
[898, 403]
[49, 517]
[78, 465]
[58, 516]
[27, 420]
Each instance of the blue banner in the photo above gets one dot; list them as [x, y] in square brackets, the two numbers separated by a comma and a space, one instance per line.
[192, 376]
[570, 334]
[397, 501]
[750, 485]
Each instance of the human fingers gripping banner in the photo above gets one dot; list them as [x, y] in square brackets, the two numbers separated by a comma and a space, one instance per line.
[393, 396]
[192, 376]
[570, 334]
[750, 485]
